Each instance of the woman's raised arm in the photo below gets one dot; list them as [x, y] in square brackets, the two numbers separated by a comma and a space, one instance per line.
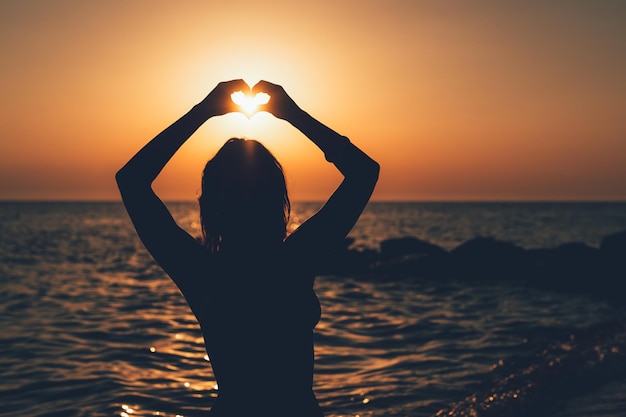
[331, 224]
[175, 250]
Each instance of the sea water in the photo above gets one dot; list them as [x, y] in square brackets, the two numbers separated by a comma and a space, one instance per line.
[90, 326]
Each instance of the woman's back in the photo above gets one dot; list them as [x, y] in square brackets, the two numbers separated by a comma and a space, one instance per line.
[258, 330]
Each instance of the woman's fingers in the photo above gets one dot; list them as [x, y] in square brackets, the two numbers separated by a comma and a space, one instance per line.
[264, 87]
[233, 86]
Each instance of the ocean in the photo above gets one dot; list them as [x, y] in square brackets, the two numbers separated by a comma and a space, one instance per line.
[90, 326]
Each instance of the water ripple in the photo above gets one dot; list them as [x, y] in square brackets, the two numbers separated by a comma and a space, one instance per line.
[91, 326]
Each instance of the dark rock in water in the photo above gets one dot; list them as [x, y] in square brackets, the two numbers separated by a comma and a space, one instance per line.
[536, 259]
[487, 258]
[613, 257]
[398, 247]
[344, 260]
[613, 253]
[571, 266]
[574, 267]
[614, 245]
[409, 256]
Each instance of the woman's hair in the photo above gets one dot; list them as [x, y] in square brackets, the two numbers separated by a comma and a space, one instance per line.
[244, 196]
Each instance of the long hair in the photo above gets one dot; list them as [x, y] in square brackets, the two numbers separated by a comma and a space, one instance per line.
[243, 197]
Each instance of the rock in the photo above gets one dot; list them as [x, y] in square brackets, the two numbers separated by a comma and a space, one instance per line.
[486, 257]
[613, 257]
[410, 256]
[614, 246]
[574, 266]
[343, 260]
[571, 267]
[399, 247]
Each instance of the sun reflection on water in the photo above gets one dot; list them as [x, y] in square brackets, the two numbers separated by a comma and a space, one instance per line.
[134, 411]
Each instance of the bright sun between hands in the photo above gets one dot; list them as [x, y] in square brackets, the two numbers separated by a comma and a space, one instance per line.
[249, 104]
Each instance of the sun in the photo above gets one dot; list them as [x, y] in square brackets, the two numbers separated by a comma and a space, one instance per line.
[249, 104]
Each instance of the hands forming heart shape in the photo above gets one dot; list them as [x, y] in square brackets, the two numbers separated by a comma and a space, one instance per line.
[249, 103]
[237, 96]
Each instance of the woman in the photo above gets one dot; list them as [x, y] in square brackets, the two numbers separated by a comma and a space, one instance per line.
[249, 285]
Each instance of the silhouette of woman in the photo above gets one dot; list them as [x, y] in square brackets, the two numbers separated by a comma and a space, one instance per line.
[249, 284]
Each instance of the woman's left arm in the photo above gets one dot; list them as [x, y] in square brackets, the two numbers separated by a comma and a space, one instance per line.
[330, 225]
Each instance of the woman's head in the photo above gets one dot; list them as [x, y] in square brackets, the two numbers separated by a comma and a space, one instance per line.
[244, 197]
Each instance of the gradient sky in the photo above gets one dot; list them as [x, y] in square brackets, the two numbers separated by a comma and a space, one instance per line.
[457, 100]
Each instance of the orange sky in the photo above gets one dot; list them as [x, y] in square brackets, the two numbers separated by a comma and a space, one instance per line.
[481, 100]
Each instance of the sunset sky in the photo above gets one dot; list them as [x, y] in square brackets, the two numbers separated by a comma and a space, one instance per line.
[457, 100]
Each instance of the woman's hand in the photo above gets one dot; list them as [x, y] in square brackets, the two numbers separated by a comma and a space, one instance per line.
[280, 104]
[219, 102]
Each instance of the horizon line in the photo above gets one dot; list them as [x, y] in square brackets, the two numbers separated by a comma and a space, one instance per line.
[306, 200]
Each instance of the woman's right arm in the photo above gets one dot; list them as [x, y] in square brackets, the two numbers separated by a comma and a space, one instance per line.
[170, 246]
[177, 252]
